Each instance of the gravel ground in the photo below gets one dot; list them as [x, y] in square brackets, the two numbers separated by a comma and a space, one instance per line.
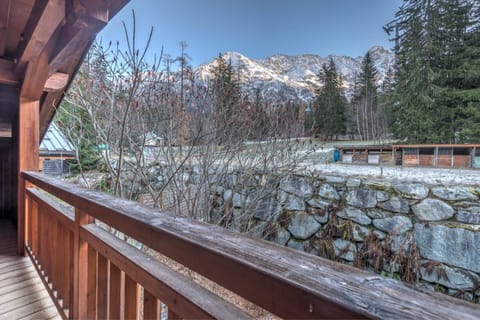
[434, 176]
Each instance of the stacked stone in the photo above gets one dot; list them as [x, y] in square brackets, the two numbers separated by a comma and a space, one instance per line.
[444, 221]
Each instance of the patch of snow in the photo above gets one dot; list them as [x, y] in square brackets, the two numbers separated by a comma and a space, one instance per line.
[432, 176]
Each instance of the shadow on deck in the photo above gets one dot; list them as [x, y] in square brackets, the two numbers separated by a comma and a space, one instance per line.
[22, 294]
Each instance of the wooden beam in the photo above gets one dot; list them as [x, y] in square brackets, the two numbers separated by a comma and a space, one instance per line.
[36, 76]
[92, 9]
[56, 82]
[28, 135]
[48, 109]
[46, 17]
[78, 33]
[71, 42]
[4, 19]
[28, 145]
[6, 71]
[115, 6]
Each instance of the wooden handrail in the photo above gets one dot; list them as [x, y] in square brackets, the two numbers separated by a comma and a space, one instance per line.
[286, 282]
[187, 298]
[173, 290]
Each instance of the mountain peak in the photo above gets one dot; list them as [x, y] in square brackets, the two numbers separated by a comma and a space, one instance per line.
[378, 49]
[233, 55]
[283, 77]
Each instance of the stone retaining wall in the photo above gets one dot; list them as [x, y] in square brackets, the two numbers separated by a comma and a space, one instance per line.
[425, 234]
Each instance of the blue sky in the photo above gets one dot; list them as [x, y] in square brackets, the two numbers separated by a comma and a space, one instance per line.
[258, 28]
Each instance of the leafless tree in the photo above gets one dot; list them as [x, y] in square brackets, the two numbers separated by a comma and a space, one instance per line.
[160, 139]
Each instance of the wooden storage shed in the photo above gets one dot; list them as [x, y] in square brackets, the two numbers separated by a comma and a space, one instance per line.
[367, 154]
[413, 155]
[439, 155]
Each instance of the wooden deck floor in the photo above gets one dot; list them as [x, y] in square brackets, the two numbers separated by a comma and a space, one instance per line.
[22, 294]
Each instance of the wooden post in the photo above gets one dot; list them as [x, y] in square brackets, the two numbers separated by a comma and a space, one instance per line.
[102, 287]
[151, 306]
[452, 160]
[132, 299]
[28, 145]
[472, 157]
[28, 220]
[92, 284]
[117, 281]
[80, 267]
[34, 227]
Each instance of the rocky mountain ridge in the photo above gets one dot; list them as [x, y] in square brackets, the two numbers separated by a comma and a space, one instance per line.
[283, 78]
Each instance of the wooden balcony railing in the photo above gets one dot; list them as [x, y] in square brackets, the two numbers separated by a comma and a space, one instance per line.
[92, 274]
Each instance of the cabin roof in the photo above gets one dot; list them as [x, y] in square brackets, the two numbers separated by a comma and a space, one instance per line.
[42, 44]
[55, 143]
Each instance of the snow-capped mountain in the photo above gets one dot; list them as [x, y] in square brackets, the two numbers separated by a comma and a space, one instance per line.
[282, 78]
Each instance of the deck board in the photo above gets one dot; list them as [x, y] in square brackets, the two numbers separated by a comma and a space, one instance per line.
[22, 294]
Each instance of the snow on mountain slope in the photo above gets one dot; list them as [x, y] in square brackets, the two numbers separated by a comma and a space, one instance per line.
[282, 78]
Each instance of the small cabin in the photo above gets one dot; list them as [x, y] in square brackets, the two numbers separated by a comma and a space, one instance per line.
[56, 152]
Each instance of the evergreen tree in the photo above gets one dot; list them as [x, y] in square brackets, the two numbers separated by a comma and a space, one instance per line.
[226, 99]
[434, 99]
[185, 69]
[258, 117]
[458, 95]
[413, 104]
[386, 101]
[76, 124]
[367, 114]
[329, 107]
[185, 73]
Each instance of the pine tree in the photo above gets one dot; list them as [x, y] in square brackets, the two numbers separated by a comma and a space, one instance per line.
[329, 107]
[434, 99]
[458, 66]
[386, 100]
[367, 114]
[185, 74]
[226, 98]
[258, 118]
[413, 104]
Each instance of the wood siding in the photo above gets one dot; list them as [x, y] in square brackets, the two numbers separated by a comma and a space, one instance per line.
[462, 161]
[8, 181]
[427, 160]
[8, 153]
[410, 160]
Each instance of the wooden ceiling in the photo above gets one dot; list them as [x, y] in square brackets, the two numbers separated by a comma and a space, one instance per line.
[42, 44]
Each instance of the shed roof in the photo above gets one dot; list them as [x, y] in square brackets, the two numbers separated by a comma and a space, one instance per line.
[369, 146]
[55, 143]
[436, 145]
[402, 146]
